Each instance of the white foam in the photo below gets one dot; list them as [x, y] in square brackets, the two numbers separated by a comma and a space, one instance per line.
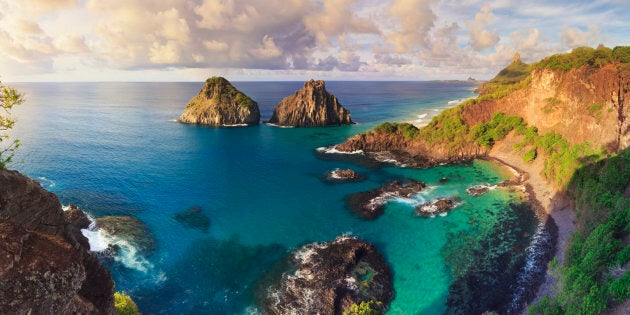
[423, 115]
[174, 120]
[333, 150]
[47, 183]
[278, 126]
[234, 125]
[453, 102]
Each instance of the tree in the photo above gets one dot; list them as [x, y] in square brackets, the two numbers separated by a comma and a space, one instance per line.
[9, 97]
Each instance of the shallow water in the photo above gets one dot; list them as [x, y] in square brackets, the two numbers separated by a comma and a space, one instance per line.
[114, 149]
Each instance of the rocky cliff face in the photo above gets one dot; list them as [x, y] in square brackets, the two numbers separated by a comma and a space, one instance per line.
[312, 106]
[220, 104]
[581, 104]
[45, 263]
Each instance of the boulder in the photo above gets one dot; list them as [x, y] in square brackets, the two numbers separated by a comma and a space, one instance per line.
[193, 218]
[370, 204]
[436, 207]
[328, 278]
[130, 229]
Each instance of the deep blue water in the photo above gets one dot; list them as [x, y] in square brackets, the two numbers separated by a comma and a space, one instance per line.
[115, 149]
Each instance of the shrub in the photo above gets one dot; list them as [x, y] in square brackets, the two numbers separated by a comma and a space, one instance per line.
[530, 156]
[125, 305]
[364, 308]
[9, 97]
[621, 53]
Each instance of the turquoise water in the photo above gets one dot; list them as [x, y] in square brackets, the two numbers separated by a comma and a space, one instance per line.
[114, 149]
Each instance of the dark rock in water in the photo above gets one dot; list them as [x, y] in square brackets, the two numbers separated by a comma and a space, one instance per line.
[193, 218]
[443, 180]
[436, 207]
[344, 176]
[109, 252]
[45, 263]
[220, 104]
[328, 278]
[477, 190]
[312, 106]
[371, 204]
[130, 229]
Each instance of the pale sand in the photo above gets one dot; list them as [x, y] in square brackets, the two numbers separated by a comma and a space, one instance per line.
[553, 203]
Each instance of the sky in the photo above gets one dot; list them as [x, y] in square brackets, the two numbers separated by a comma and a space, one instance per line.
[277, 40]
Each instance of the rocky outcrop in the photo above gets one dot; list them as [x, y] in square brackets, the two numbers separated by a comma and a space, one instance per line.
[370, 204]
[45, 263]
[220, 104]
[477, 190]
[312, 106]
[436, 207]
[129, 229]
[344, 176]
[328, 278]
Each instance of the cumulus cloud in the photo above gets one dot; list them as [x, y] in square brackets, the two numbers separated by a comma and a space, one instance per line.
[574, 37]
[480, 37]
[392, 37]
[415, 18]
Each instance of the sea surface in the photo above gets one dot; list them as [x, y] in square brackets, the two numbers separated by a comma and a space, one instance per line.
[116, 149]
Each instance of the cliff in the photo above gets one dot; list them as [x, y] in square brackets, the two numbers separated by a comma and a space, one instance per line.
[45, 263]
[220, 104]
[312, 106]
[582, 102]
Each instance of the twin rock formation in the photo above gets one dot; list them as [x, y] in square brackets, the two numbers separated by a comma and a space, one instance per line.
[221, 104]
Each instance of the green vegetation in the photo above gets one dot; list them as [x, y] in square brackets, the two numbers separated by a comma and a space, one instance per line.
[485, 134]
[530, 156]
[514, 73]
[586, 56]
[365, 308]
[591, 279]
[621, 53]
[125, 305]
[9, 97]
[408, 130]
[228, 90]
[594, 108]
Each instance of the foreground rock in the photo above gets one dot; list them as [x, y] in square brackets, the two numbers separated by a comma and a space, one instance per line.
[370, 204]
[344, 176]
[477, 190]
[130, 229]
[329, 278]
[45, 265]
[436, 207]
[312, 106]
[220, 104]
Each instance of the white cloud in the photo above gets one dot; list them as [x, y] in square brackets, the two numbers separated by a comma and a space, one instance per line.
[480, 37]
[574, 37]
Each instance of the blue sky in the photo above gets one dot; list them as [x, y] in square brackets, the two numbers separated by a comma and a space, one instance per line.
[189, 40]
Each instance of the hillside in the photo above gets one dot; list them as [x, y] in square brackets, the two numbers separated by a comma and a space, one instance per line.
[564, 121]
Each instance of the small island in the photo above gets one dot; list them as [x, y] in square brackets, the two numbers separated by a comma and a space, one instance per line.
[221, 104]
[312, 106]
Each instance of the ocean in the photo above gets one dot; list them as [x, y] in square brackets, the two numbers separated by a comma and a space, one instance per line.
[116, 149]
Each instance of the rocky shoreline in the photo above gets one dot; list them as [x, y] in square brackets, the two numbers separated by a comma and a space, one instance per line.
[543, 247]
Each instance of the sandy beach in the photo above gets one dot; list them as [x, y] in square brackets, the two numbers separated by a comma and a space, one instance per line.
[553, 203]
